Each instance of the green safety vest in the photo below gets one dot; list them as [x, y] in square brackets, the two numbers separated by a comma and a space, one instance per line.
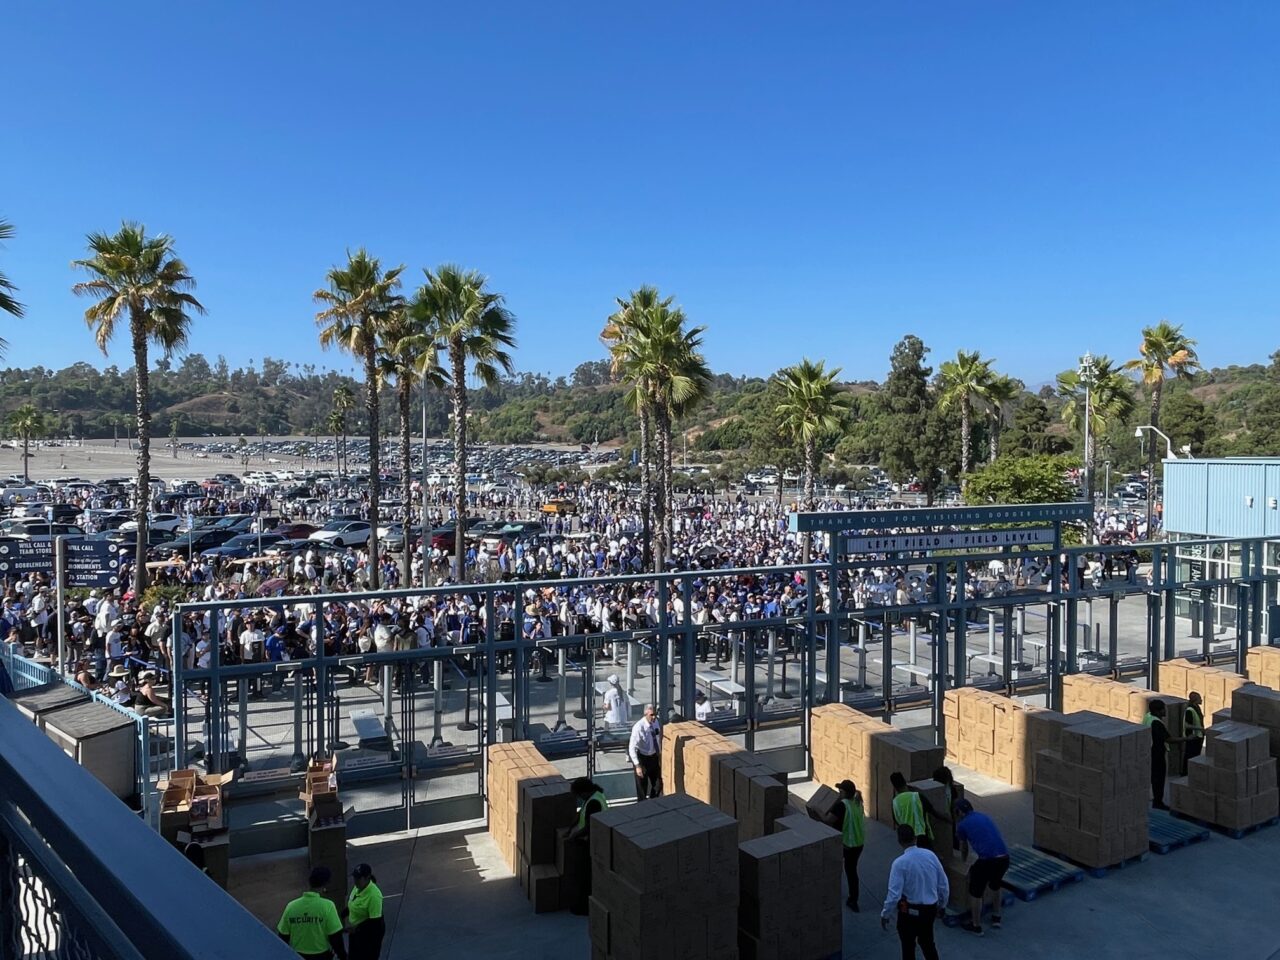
[1148, 720]
[851, 831]
[908, 809]
[1195, 722]
[582, 813]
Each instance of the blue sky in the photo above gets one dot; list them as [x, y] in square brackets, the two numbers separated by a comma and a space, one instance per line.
[1027, 179]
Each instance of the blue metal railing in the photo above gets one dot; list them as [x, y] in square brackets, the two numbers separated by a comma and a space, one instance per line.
[82, 877]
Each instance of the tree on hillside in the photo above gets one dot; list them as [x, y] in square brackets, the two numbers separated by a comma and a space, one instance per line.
[8, 303]
[962, 384]
[905, 403]
[1000, 393]
[1165, 351]
[359, 299]
[1037, 479]
[27, 424]
[1187, 421]
[1030, 434]
[138, 277]
[476, 330]
[344, 402]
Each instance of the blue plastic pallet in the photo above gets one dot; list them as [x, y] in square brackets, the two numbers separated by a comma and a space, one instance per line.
[1032, 873]
[1099, 872]
[1232, 832]
[1165, 832]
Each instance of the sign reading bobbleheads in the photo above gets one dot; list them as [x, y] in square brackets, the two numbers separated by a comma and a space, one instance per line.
[89, 563]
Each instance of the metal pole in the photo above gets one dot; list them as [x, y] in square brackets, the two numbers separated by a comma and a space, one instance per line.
[299, 759]
[562, 686]
[60, 576]
[423, 519]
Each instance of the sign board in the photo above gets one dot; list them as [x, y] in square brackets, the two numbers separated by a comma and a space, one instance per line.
[595, 644]
[960, 540]
[91, 563]
[840, 521]
[25, 556]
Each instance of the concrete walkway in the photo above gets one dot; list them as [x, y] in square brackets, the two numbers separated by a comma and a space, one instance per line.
[449, 895]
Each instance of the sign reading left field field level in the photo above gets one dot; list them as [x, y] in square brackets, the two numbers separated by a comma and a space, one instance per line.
[89, 563]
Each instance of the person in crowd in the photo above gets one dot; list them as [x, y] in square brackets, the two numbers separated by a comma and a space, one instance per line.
[617, 705]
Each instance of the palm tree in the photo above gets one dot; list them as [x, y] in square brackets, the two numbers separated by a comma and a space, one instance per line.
[27, 423]
[1165, 351]
[1000, 392]
[961, 383]
[360, 298]
[343, 402]
[8, 304]
[336, 424]
[138, 276]
[618, 331]
[1110, 400]
[664, 359]
[476, 330]
[410, 353]
[813, 407]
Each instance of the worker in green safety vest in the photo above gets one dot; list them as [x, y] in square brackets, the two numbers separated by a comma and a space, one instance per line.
[592, 800]
[912, 809]
[1194, 725]
[852, 826]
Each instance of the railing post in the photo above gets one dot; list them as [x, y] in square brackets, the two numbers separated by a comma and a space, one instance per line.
[176, 693]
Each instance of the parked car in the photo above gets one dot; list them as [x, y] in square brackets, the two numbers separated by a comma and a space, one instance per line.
[243, 545]
[197, 541]
[160, 521]
[344, 533]
[295, 531]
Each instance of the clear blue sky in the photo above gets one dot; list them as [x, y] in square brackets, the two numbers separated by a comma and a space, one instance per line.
[1027, 179]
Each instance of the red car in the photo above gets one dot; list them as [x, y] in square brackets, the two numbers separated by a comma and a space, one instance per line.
[296, 531]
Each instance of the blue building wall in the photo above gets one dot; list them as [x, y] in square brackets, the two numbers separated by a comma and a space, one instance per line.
[1237, 497]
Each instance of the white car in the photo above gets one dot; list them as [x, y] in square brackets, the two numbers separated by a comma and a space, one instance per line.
[344, 533]
[160, 521]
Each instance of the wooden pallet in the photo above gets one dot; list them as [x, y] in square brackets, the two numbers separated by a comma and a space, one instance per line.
[1235, 833]
[1032, 873]
[1166, 833]
[1098, 872]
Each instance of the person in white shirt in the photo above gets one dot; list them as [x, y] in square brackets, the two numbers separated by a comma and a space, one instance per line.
[701, 706]
[645, 752]
[918, 892]
[617, 705]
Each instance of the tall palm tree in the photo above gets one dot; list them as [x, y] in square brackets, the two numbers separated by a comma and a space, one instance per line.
[619, 329]
[336, 424]
[1165, 351]
[410, 354]
[139, 277]
[999, 393]
[813, 407]
[961, 383]
[8, 304]
[27, 423]
[476, 330]
[360, 298]
[344, 402]
[663, 357]
[1110, 400]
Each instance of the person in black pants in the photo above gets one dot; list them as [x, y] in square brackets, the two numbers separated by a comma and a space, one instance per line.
[918, 890]
[849, 818]
[1160, 741]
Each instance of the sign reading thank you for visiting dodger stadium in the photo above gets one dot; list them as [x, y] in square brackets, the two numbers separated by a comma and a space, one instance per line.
[965, 540]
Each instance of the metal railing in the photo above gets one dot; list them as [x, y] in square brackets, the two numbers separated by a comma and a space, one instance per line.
[82, 878]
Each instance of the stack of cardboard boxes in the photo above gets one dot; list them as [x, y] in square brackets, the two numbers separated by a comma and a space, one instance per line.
[664, 882]
[529, 801]
[848, 745]
[1263, 666]
[1259, 706]
[1233, 785]
[1126, 702]
[790, 902]
[998, 736]
[1214, 684]
[192, 802]
[712, 768]
[1091, 796]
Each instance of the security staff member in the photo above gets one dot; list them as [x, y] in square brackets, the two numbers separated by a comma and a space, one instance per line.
[1160, 741]
[310, 924]
[912, 809]
[1193, 723]
[852, 825]
[918, 891]
[576, 882]
[364, 915]
[979, 831]
[645, 752]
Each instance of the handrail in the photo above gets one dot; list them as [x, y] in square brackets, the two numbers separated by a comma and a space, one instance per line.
[162, 905]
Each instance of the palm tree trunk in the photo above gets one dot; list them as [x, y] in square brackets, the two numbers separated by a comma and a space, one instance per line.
[26, 458]
[406, 478]
[375, 467]
[142, 491]
[965, 427]
[668, 482]
[994, 440]
[646, 486]
[810, 455]
[459, 364]
[1156, 390]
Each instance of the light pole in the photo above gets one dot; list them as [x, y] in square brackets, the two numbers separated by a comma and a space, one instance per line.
[1151, 480]
[1086, 373]
[1106, 494]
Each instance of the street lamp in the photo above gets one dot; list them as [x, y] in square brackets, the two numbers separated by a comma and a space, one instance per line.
[1086, 372]
[1168, 444]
